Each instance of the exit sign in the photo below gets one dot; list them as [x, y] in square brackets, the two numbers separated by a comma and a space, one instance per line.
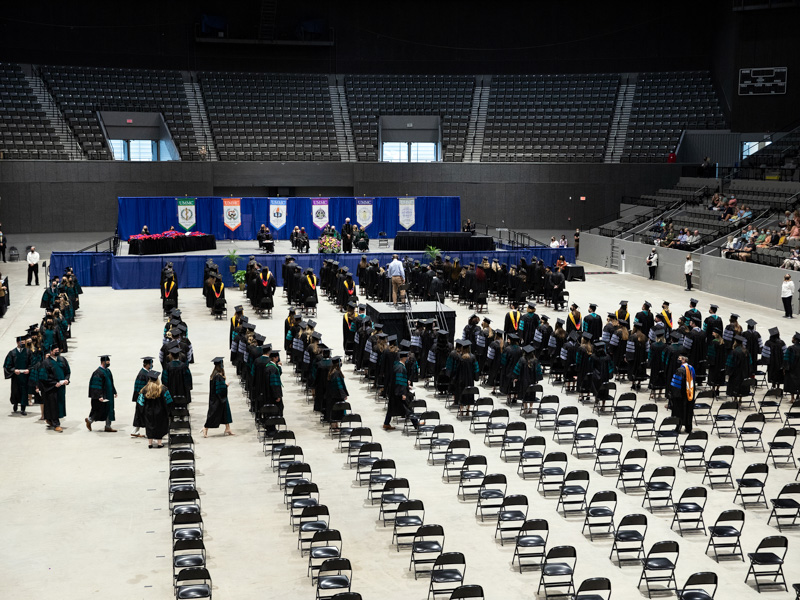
[583, 198]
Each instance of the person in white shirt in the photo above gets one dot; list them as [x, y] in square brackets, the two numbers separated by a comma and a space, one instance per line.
[688, 267]
[33, 265]
[652, 262]
[787, 292]
[553, 242]
[398, 276]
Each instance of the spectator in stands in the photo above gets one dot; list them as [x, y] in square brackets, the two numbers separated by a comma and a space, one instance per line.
[683, 239]
[553, 242]
[749, 232]
[669, 239]
[694, 239]
[759, 239]
[746, 251]
[787, 293]
[730, 247]
[768, 240]
[717, 202]
[792, 261]
[794, 233]
[781, 235]
[787, 221]
[652, 262]
[728, 212]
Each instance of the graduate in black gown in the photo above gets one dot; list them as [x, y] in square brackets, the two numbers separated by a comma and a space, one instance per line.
[169, 292]
[138, 384]
[636, 356]
[716, 361]
[468, 373]
[791, 368]
[17, 367]
[335, 389]
[527, 372]
[52, 379]
[493, 357]
[772, 353]
[738, 368]
[508, 360]
[154, 400]
[265, 285]
[602, 371]
[102, 392]
[655, 361]
[219, 409]
[176, 375]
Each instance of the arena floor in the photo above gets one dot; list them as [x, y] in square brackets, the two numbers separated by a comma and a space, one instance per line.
[86, 513]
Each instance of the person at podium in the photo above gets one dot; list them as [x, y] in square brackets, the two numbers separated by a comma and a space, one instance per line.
[265, 241]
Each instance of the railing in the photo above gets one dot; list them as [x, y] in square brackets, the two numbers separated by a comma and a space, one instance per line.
[514, 239]
[112, 241]
[759, 173]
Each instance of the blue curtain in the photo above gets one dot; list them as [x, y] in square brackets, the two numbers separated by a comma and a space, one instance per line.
[144, 272]
[433, 213]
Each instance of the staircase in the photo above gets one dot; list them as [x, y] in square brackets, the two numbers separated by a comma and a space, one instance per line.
[619, 121]
[197, 108]
[615, 259]
[477, 120]
[269, 12]
[50, 108]
[341, 121]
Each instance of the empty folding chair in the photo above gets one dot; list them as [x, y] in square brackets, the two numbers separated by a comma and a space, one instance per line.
[312, 519]
[750, 488]
[724, 421]
[426, 547]
[658, 489]
[547, 412]
[781, 448]
[303, 496]
[749, 434]
[623, 412]
[395, 492]
[470, 477]
[439, 441]
[454, 457]
[767, 562]
[368, 455]
[726, 533]
[703, 405]
[631, 470]
[629, 539]
[572, 498]
[447, 574]
[188, 554]
[770, 405]
[335, 575]
[467, 591]
[496, 426]
[513, 441]
[480, 415]
[531, 543]
[659, 567]
[531, 457]
[288, 456]
[644, 423]
[352, 443]
[786, 507]
[718, 466]
[410, 516]
[600, 514]
[689, 510]
[699, 586]
[490, 496]
[667, 435]
[382, 470]
[793, 415]
[596, 588]
[513, 513]
[566, 424]
[430, 419]
[693, 450]
[557, 571]
[324, 545]
[193, 583]
[584, 442]
[554, 468]
[608, 453]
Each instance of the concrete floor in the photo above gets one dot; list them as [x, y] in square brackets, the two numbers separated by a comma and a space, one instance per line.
[86, 513]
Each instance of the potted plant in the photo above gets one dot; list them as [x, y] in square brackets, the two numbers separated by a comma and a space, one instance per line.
[239, 278]
[232, 258]
[432, 252]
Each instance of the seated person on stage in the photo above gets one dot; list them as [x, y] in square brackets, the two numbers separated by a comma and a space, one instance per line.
[293, 236]
[468, 227]
[301, 243]
[264, 238]
[333, 233]
[145, 230]
[362, 240]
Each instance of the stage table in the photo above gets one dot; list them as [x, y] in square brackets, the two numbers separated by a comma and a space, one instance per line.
[455, 241]
[172, 245]
[574, 272]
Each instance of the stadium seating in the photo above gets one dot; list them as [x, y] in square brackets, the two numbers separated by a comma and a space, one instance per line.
[549, 118]
[447, 96]
[82, 91]
[270, 116]
[778, 153]
[665, 104]
[25, 130]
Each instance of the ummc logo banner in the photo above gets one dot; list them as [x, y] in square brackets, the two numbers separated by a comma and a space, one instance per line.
[364, 212]
[232, 212]
[407, 212]
[187, 213]
[319, 212]
[277, 212]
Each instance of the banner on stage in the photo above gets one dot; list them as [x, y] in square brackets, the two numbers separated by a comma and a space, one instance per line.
[364, 212]
[277, 212]
[407, 213]
[319, 212]
[187, 213]
[232, 212]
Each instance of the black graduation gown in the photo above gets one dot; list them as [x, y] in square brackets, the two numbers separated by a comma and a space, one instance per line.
[264, 290]
[791, 369]
[646, 319]
[636, 358]
[18, 359]
[309, 285]
[466, 377]
[320, 382]
[219, 410]
[775, 361]
[716, 363]
[754, 344]
[711, 324]
[155, 416]
[169, 295]
[738, 370]
[105, 380]
[178, 379]
[657, 366]
[140, 381]
[512, 354]
[594, 325]
[511, 323]
[698, 352]
[529, 323]
[335, 391]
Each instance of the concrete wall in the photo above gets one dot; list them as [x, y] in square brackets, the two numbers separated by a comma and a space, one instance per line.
[45, 196]
[757, 284]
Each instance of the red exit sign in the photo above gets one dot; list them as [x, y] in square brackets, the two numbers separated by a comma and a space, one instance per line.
[583, 198]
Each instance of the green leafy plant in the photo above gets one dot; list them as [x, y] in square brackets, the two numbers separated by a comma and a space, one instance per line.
[432, 252]
[240, 277]
[232, 257]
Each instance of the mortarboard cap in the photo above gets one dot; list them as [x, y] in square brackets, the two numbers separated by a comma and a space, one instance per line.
[612, 315]
[545, 318]
[238, 308]
[714, 306]
[393, 338]
[377, 325]
[105, 357]
[383, 335]
[592, 306]
[487, 320]
[734, 316]
[573, 335]
[751, 323]
[499, 332]
[218, 360]
[623, 303]
[153, 374]
[740, 338]
[528, 349]
[22, 338]
[298, 317]
[403, 353]
[531, 304]
[513, 336]
[466, 343]
[274, 353]
[352, 304]
[175, 312]
[336, 359]
[312, 323]
[362, 307]
[774, 331]
[599, 344]
[405, 344]
[560, 321]
[692, 301]
[647, 304]
[150, 358]
[587, 336]
[259, 338]
[676, 336]
[316, 335]
[665, 302]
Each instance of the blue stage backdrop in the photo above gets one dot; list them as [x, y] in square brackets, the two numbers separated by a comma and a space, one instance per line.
[432, 213]
[144, 272]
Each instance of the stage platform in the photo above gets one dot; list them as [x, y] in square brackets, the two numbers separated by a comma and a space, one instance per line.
[394, 318]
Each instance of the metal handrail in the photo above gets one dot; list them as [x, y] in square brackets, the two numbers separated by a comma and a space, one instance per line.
[113, 245]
